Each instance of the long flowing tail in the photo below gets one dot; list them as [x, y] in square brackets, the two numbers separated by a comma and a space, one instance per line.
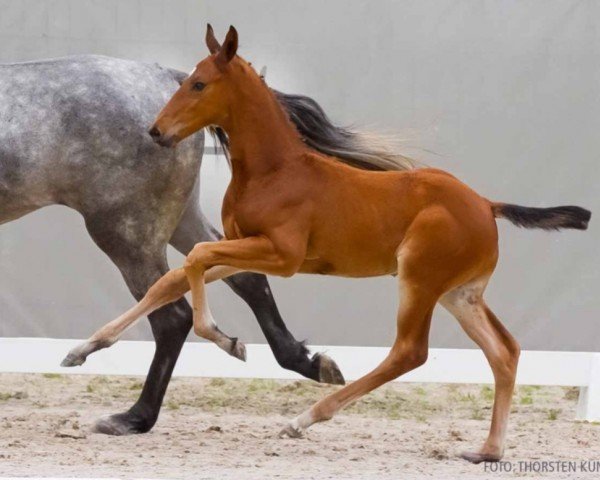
[553, 218]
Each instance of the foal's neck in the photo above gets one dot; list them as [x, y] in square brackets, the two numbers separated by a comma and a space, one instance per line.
[262, 138]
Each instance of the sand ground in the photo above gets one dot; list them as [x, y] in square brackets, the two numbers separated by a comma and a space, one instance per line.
[218, 429]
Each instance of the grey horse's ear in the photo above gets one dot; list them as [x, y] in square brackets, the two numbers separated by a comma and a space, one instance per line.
[263, 73]
[211, 41]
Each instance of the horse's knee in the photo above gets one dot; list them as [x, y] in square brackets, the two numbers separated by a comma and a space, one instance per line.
[418, 357]
[171, 323]
[189, 266]
[514, 350]
[142, 287]
[195, 258]
[287, 266]
[504, 363]
[287, 263]
[407, 358]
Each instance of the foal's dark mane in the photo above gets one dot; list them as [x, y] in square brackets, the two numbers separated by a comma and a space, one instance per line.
[358, 149]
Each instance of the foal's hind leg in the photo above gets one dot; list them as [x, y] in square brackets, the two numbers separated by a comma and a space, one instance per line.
[408, 352]
[502, 352]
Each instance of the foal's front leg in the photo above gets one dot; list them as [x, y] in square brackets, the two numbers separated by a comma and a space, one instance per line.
[169, 288]
[256, 254]
[204, 324]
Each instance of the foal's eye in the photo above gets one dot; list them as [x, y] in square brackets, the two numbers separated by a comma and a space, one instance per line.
[198, 86]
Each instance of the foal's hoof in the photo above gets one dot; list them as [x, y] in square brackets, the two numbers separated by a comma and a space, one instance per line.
[74, 358]
[290, 431]
[329, 372]
[478, 457]
[238, 349]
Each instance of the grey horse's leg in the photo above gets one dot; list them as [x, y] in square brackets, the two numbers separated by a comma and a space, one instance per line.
[141, 265]
[255, 291]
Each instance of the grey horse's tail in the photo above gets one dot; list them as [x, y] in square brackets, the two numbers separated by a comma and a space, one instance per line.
[360, 149]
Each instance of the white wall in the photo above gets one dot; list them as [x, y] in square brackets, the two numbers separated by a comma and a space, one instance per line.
[506, 93]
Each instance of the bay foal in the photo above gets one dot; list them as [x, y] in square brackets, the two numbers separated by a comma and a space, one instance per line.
[289, 209]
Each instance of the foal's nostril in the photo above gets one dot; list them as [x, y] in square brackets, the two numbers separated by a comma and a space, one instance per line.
[154, 133]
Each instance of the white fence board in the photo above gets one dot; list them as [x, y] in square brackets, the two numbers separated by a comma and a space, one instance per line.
[41, 355]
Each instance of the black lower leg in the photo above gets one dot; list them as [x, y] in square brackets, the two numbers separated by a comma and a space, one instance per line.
[289, 352]
[170, 326]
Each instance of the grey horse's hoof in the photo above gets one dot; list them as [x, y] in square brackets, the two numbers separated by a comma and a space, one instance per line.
[478, 457]
[73, 359]
[114, 425]
[238, 349]
[290, 431]
[329, 372]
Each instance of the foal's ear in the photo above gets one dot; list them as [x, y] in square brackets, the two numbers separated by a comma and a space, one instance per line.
[211, 42]
[229, 48]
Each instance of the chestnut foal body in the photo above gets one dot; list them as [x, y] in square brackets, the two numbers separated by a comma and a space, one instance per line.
[291, 210]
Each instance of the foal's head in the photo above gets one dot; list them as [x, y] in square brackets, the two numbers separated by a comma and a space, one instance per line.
[209, 94]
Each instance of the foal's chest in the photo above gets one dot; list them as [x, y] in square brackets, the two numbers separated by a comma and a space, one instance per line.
[251, 210]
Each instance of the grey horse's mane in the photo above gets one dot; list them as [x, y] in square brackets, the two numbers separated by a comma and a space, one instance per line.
[358, 149]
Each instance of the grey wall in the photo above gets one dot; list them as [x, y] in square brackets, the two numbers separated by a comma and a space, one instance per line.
[506, 93]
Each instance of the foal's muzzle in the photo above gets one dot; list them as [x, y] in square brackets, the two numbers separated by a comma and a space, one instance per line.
[162, 140]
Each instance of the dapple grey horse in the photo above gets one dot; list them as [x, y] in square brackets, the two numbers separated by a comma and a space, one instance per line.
[73, 131]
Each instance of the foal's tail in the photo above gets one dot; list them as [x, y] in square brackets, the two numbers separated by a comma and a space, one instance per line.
[554, 218]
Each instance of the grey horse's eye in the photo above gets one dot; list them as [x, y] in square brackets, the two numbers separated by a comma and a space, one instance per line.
[198, 86]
